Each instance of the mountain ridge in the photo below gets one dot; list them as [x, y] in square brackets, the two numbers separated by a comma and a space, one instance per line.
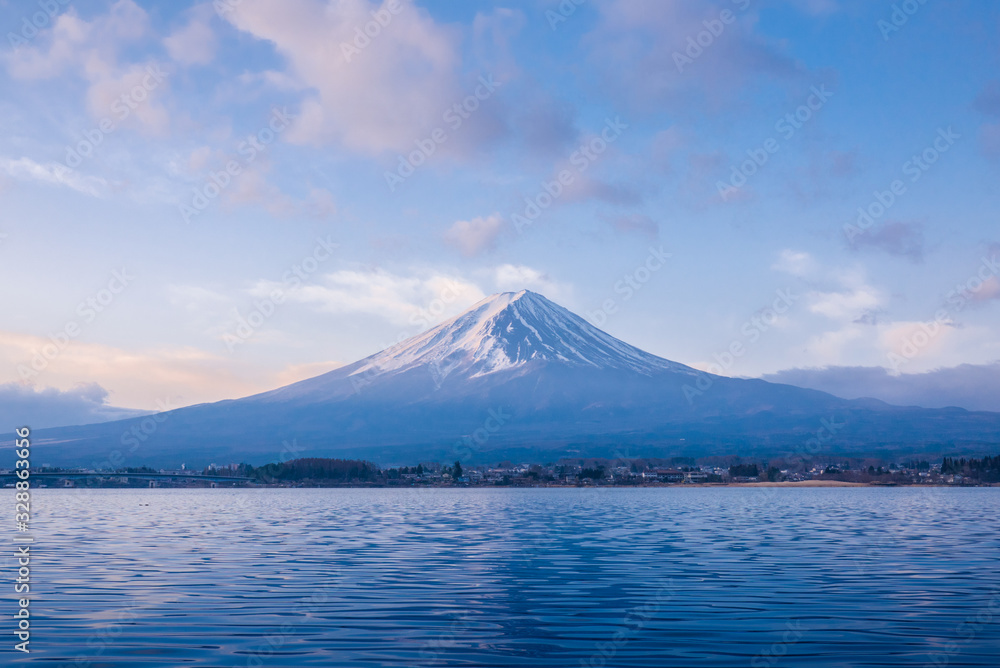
[567, 385]
[472, 342]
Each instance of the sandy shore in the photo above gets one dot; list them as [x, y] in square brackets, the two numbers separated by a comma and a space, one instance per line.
[801, 483]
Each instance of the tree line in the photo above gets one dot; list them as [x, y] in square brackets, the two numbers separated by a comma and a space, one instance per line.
[986, 469]
[324, 470]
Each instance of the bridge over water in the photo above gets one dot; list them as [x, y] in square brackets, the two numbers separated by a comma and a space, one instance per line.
[11, 476]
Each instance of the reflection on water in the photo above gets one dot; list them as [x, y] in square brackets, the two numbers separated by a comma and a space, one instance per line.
[517, 577]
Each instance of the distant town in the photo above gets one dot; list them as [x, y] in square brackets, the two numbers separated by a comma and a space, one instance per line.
[675, 471]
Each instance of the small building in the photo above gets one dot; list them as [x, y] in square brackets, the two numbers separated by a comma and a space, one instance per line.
[670, 475]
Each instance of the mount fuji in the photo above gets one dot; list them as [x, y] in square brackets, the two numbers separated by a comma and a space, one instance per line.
[518, 377]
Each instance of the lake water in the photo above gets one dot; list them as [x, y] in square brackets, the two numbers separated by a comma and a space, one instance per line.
[513, 577]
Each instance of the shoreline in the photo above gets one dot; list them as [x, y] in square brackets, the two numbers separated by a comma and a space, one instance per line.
[807, 484]
[820, 483]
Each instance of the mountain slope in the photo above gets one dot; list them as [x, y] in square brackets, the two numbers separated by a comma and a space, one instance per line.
[514, 376]
[511, 331]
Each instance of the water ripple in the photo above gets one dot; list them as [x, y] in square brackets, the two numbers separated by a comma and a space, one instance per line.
[515, 577]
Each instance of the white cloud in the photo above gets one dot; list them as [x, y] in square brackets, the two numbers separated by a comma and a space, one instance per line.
[138, 88]
[382, 97]
[195, 43]
[68, 37]
[973, 387]
[252, 187]
[796, 263]
[86, 403]
[515, 277]
[475, 236]
[418, 298]
[402, 300]
[918, 339]
[634, 44]
[91, 49]
[908, 346]
[53, 173]
[849, 304]
[828, 348]
[845, 294]
[134, 378]
[72, 42]
[988, 291]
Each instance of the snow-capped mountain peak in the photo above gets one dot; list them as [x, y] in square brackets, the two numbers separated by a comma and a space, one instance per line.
[568, 389]
[510, 330]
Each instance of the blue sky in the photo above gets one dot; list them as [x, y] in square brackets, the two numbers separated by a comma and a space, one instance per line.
[287, 128]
